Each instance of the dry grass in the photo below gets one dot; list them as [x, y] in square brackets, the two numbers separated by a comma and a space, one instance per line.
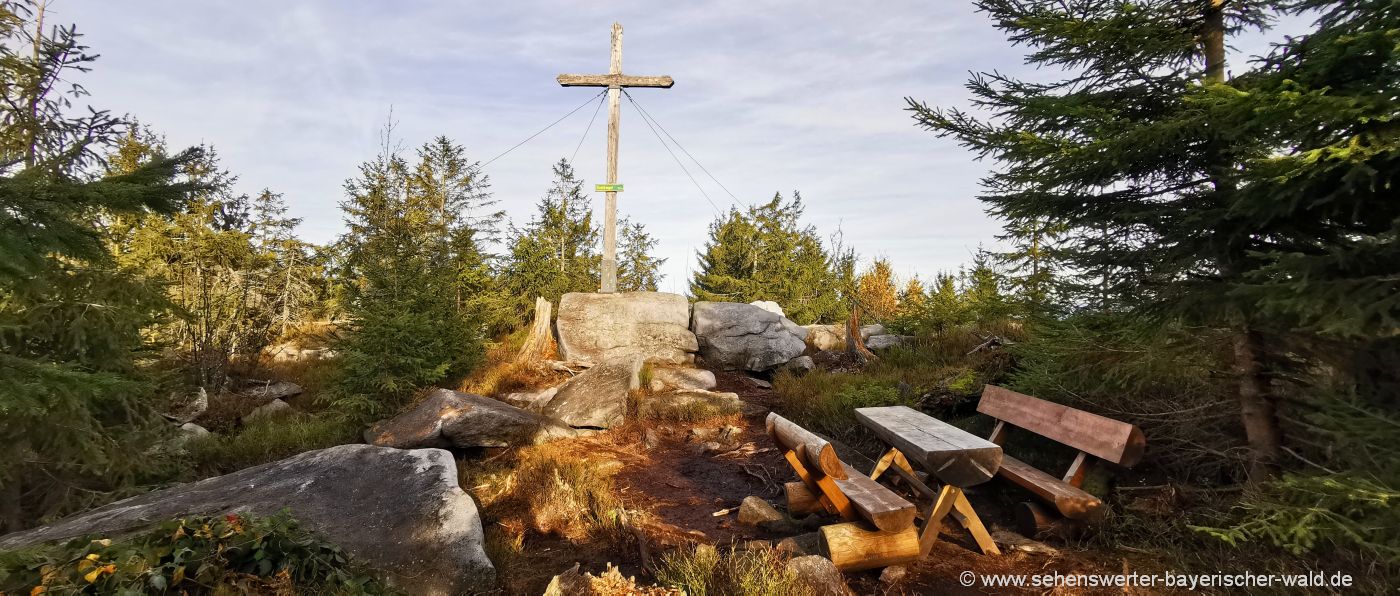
[704, 570]
[500, 374]
[552, 490]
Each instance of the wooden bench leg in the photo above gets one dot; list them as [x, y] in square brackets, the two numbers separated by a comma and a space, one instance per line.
[883, 464]
[830, 494]
[936, 513]
[967, 516]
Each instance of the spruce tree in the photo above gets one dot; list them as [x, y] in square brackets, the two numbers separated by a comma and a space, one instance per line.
[77, 413]
[1136, 153]
[637, 269]
[765, 253]
[557, 251]
[402, 293]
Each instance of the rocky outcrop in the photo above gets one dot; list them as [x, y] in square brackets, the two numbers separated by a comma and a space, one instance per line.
[736, 336]
[398, 511]
[266, 392]
[454, 419]
[769, 306]
[597, 397]
[826, 337]
[671, 378]
[273, 409]
[691, 404]
[881, 342]
[594, 328]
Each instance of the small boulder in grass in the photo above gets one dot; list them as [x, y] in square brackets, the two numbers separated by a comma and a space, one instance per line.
[820, 575]
[273, 409]
[893, 574]
[755, 511]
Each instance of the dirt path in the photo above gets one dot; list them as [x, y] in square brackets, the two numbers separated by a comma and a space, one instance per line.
[680, 485]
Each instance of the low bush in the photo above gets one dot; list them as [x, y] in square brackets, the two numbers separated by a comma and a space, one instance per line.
[825, 402]
[268, 440]
[704, 570]
[199, 555]
[1303, 514]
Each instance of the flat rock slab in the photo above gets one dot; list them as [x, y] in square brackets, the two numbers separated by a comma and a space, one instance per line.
[735, 336]
[398, 511]
[597, 397]
[594, 328]
[679, 403]
[449, 418]
[670, 377]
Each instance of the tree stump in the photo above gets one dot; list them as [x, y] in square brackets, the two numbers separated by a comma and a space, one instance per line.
[539, 345]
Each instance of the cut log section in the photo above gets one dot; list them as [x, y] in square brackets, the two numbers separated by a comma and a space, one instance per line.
[815, 451]
[1035, 522]
[801, 500]
[853, 548]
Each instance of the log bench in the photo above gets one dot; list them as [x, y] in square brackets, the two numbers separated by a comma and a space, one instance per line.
[879, 529]
[1092, 435]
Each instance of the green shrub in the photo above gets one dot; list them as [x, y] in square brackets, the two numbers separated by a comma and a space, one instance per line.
[1306, 514]
[703, 570]
[268, 440]
[200, 555]
[825, 402]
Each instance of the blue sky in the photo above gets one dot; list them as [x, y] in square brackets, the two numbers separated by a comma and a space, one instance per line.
[769, 96]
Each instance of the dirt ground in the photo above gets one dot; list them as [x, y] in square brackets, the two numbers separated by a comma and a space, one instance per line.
[682, 487]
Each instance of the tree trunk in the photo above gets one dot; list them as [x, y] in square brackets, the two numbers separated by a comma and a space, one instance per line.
[1257, 406]
[1213, 40]
[856, 351]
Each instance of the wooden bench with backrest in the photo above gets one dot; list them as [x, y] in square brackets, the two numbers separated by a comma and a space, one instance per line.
[879, 529]
[1093, 435]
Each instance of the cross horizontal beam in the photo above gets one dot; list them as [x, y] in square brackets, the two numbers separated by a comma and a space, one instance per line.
[614, 80]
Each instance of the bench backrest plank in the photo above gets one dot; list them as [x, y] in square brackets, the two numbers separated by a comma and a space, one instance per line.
[1105, 438]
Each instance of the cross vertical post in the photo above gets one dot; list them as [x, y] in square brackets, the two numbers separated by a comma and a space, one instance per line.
[615, 81]
[609, 272]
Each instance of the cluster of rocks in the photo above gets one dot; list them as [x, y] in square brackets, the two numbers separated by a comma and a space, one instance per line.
[265, 398]
[821, 338]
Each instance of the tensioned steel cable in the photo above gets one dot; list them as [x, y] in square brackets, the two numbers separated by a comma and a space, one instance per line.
[683, 150]
[585, 131]
[673, 154]
[551, 125]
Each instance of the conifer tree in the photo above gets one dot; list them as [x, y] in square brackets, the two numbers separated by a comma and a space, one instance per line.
[876, 292]
[1136, 153]
[402, 295]
[637, 269]
[765, 253]
[913, 297]
[557, 251]
[76, 412]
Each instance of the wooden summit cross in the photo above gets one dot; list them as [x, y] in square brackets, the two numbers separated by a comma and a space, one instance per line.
[614, 81]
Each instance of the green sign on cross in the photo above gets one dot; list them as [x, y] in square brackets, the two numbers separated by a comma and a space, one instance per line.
[607, 188]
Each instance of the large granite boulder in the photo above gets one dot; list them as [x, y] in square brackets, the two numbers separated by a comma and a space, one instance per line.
[823, 338]
[454, 419]
[398, 511]
[597, 397]
[594, 328]
[735, 336]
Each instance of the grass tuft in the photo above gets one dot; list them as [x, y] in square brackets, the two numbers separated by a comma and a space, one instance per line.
[704, 570]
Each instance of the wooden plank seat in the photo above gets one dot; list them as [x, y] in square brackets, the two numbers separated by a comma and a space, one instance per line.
[1091, 434]
[880, 529]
